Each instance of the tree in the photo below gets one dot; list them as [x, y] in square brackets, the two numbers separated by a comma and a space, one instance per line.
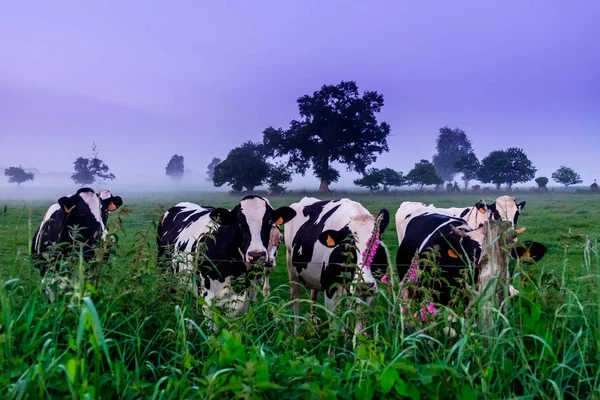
[390, 177]
[175, 167]
[542, 182]
[244, 167]
[278, 175]
[468, 165]
[211, 168]
[336, 125]
[451, 145]
[424, 173]
[18, 175]
[370, 179]
[90, 170]
[566, 176]
[508, 166]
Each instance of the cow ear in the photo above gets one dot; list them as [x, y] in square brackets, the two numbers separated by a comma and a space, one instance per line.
[66, 203]
[521, 205]
[385, 220]
[112, 203]
[530, 251]
[331, 238]
[482, 207]
[223, 216]
[283, 215]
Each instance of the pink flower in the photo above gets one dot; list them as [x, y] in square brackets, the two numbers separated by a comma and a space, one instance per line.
[431, 308]
[403, 310]
[343, 329]
[385, 279]
[423, 315]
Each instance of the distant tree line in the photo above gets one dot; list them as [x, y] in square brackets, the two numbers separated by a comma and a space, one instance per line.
[338, 124]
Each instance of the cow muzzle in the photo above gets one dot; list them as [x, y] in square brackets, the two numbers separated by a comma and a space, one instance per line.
[255, 256]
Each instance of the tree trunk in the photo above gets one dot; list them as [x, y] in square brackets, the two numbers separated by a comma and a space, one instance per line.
[498, 186]
[324, 187]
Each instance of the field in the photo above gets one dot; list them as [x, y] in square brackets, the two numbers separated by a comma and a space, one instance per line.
[130, 338]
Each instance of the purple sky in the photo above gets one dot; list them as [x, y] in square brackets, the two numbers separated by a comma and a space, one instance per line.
[146, 80]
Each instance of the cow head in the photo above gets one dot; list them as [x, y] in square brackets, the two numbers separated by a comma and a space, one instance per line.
[360, 231]
[109, 203]
[83, 220]
[253, 219]
[509, 209]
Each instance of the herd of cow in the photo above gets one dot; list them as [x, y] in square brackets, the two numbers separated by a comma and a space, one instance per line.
[232, 244]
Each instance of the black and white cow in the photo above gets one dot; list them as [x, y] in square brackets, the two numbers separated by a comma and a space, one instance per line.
[315, 252]
[504, 208]
[459, 244]
[81, 216]
[242, 238]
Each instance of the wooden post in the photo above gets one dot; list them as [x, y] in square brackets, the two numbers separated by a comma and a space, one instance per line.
[498, 238]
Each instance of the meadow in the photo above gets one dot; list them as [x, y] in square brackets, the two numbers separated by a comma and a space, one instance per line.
[122, 334]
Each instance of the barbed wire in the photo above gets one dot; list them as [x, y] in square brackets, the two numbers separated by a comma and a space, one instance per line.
[333, 264]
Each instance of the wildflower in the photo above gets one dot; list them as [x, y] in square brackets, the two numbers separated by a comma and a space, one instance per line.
[385, 279]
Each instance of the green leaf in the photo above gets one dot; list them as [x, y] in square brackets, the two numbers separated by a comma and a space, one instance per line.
[387, 380]
[71, 368]
[467, 392]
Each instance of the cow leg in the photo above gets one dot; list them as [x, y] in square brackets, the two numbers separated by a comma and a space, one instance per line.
[266, 284]
[294, 290]
[314, 296]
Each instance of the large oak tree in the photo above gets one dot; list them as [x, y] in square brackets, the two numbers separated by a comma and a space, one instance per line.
[336, 124]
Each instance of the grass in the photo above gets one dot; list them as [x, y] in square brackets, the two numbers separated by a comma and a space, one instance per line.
[131, 338]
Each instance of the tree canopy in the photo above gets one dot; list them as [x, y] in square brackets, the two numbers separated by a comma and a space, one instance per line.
[542, 182]
[468, 165]
[18, 175]
[210, 169]
[451, 146]
[279, 174]
[244, 167]
[90, 170]
[336, 124]
[566, 176]
[508, 167]
[175, 167]
[422, 174]
[385, 177]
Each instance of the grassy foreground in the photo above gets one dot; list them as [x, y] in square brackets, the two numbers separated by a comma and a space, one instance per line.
[130, 338]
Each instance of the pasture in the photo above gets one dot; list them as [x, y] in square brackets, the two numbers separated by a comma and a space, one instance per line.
[130, 338]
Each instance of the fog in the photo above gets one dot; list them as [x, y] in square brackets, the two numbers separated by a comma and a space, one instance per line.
[153, 80]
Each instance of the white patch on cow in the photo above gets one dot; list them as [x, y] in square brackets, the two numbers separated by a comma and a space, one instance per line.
[51, 210]
[254, 210]
[93, 202]
[105, 194]
[507, 208]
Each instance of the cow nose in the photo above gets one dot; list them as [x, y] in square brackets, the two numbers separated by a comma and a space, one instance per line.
[256, 255]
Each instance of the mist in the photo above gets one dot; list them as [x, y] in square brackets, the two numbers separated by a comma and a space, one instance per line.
[200, 79]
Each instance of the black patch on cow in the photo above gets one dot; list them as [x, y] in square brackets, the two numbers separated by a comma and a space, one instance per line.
[465, 212]
[340, 269]
[308, 234]
[417, 231]
[408, 216]
[380, 263]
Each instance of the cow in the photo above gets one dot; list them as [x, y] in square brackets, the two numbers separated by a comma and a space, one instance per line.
[459, 245]
[231, 242]
[82, 217]
[504, 208]
[316, 256]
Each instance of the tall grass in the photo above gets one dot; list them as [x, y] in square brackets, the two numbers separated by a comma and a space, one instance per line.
[129, 337]
[102, 343]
